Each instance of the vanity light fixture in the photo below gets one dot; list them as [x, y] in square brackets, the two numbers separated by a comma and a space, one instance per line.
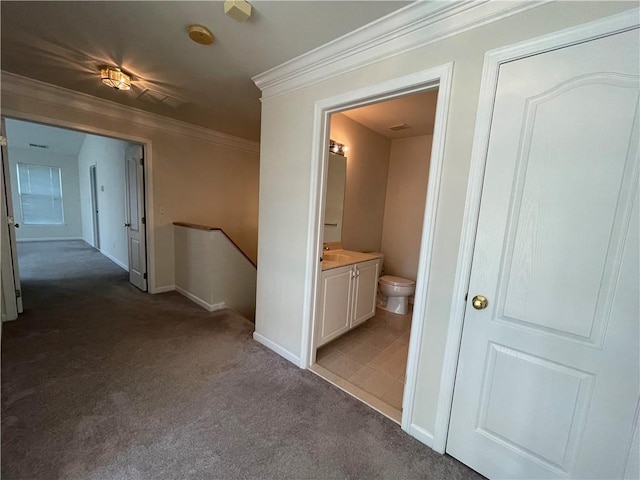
[115, 78]
[338, 148]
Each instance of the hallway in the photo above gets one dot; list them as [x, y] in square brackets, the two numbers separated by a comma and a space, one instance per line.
[100, 380]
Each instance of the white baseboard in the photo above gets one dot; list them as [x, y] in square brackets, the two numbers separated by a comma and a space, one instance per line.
[114, 260]
[421, 434]
[48, 239]
[283, 352]
[163, 289]
[195, 299]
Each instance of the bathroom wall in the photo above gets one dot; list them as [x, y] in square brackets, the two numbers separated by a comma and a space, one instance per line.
[404, 206]
[108, 155]
[365, 191]
[68, 164]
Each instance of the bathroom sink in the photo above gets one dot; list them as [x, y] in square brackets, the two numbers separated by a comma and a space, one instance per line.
[336, 257]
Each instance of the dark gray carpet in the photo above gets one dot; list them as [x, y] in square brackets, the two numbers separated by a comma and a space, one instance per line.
[101, 381]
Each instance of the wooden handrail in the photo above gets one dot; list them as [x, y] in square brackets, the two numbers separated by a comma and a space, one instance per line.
[211, 229]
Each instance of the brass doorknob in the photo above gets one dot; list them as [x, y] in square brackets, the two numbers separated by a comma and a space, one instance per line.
[479, 302]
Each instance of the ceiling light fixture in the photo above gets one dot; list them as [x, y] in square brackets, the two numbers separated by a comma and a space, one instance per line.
[200, 34]
[115, 78]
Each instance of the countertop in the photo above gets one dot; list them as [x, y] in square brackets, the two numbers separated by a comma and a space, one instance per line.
[354, 257]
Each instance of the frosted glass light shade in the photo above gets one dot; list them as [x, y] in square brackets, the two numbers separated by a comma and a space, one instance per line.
[115, 78]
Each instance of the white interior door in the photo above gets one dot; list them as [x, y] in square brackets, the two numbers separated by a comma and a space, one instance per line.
[548, 376]
[11, 290]
[136, 232]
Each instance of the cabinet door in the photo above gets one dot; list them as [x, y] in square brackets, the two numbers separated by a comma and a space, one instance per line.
[335, 304]
[366, 291]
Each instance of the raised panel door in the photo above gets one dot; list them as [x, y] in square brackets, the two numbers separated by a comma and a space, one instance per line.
[548, 377]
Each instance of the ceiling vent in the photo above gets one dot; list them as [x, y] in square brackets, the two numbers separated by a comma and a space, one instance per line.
[402, 126]
[35, 145]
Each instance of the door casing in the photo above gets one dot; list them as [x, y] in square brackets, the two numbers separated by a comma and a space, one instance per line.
[148, 169]
[610, 25]
[438, 77]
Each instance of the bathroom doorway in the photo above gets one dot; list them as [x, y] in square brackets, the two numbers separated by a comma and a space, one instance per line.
[375, 197]
[393, 150]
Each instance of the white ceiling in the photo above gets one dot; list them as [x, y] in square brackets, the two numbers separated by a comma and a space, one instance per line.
[21, 134]
[417, 110]
[64, 43]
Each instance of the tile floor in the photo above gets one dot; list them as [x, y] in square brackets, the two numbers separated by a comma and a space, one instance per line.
[372, 356]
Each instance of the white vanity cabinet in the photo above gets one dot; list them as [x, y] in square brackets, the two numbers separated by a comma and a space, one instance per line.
[347, 298]
[365, 292]
[336, 293]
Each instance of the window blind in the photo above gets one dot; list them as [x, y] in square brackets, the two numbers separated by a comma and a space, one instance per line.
[40, 189]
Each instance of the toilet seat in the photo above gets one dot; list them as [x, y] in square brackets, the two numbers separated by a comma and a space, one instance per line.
[396, 281]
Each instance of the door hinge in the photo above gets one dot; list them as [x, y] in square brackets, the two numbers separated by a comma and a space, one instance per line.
[466, 296]
[3, 141]
[18, 293]
[144, 275]
[142, 162]
[144, 220]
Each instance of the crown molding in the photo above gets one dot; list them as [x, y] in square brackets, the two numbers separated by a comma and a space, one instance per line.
[45, 93]
[411, 27]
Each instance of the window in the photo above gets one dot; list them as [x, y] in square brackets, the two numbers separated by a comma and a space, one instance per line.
[40, 190]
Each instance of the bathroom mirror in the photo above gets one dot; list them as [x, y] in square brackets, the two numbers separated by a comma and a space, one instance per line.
[334, 203]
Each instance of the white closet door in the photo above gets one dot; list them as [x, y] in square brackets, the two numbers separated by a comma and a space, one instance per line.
[548, 375]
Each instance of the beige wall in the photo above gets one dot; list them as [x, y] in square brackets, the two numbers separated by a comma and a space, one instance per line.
[213, 273]
[194, 180]
[285, 176]
[367, 167]
[108, 155]
[404, 207]
[212, 186]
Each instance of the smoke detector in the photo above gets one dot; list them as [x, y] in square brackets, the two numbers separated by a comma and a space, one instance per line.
[239, 10]
[200, 34]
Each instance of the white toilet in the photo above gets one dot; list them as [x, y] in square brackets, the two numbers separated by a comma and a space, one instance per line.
[396, 291]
